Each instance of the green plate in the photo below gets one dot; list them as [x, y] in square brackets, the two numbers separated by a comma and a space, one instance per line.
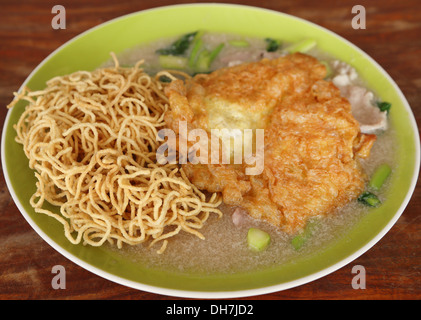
[90, 49]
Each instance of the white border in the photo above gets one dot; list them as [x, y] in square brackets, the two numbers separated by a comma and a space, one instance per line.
[222, 294]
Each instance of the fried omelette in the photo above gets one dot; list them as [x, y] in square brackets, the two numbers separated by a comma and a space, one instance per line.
[311, 140]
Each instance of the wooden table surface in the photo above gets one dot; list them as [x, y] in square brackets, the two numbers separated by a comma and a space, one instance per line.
[392, 37]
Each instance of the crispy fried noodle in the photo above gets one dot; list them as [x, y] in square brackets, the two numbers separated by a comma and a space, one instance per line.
[91, 138]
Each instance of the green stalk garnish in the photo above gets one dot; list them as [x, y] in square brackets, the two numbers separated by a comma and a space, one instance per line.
[257, 239]
[205, 59]
[302, 46]
[369, 199]
[196, 47]
[173, 62]
[239, 43]
[379, 176]
[299, 240]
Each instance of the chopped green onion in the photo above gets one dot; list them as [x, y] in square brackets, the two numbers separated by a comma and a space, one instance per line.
[384, 106]
[379, 176]
[272, 44]
[302, 46]
[300, 240]
[257, 239]
[173, 62]
[369, 199]
[239, 43]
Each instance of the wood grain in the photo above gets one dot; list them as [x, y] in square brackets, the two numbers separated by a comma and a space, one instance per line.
[392, 37]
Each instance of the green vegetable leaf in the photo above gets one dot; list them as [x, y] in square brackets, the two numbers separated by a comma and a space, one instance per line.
[165, 79]
[178, 47]
[384, 106]
[272, 44]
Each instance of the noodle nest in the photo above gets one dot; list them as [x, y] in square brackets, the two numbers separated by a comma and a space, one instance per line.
[91, 138]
